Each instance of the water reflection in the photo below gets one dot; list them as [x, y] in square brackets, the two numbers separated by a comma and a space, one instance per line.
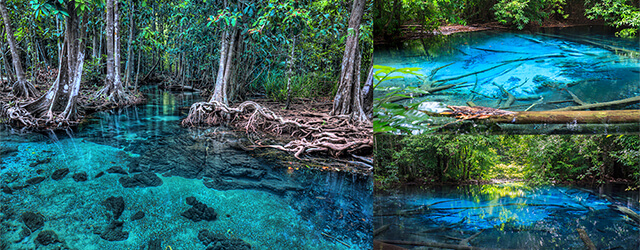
[510, 216]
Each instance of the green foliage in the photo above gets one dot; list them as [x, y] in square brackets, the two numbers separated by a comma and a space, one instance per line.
[520, 13]
[274, 85]
[392, 117]
[537, 159]
[619, 13]
[92, 70]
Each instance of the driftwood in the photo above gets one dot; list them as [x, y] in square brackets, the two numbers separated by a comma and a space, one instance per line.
[433, 244]
[510, 98]
[575, 98]
[611, 48]
[585, 238]
[379, 245]
[631, 100]
[628, 212]
[381, 230]
[538, 117]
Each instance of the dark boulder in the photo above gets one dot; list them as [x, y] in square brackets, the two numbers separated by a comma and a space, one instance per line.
[59, 174]
[137, 216]
[116, 170]
[141, 180]
[115, 205]
[80, 176]
[99, 175]
[155, 244]
[47, 237]
[33, 221]
[220, 242]
[113, 232]
[199, 211]
[35, 180]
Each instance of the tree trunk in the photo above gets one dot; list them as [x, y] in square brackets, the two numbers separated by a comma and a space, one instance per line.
[367, 94]
[290, 73]
[62, 96]
[113, 88]
[226, 67]
[129, 56]
[21, 88]
[348, 100]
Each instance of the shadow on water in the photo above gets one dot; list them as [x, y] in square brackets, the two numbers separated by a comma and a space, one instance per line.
[541, 71]
[142, 154]
[510, 215]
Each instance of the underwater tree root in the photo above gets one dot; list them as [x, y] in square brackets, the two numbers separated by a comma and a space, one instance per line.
[312, 133]
[434, 244]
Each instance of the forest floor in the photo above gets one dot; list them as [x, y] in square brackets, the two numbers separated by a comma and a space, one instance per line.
[306, 129]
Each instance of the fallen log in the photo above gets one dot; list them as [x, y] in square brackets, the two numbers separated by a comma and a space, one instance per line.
[577, 117]
[381, 230]
[540, 117]
[434, 244]
[611, 48]
[631, 100]
[585, 238]
[628, 212]
[378, 245]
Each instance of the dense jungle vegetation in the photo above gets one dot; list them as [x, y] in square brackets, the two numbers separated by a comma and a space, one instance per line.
[538, 159]
[104, 50]
[391, 17]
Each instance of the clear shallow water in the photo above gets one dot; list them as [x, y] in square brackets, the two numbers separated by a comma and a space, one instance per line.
[530, 66]
[265, 205]
[509, 216]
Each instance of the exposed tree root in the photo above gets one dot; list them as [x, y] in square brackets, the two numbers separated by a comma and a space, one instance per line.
[315, 132]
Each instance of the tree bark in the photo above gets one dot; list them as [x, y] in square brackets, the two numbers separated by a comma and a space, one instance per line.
[348, 100]
[62, 96]
[113, 88]
[367, 94]
[226, 68]
[21, 88]
[541, 117]
[129, 42]
[290, 73]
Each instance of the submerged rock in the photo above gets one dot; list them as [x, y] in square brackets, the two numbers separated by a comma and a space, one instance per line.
[47, 237]
[113, 232]
[7, 190]
[116, 170]
[80, 176]
[220, 242]
[8, 151]
[141, 180]
[137, 216]
[273, 185]
[59, 174]
[35, 180]
[99, 175]
[155, 244]
[199, 211]
[115, 205]
[33, 221]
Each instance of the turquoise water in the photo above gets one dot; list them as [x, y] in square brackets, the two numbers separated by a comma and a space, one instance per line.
[536, 68]
[510, 216]
[257, 201]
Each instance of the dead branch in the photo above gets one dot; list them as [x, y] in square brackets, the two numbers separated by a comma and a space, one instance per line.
[631, 100]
